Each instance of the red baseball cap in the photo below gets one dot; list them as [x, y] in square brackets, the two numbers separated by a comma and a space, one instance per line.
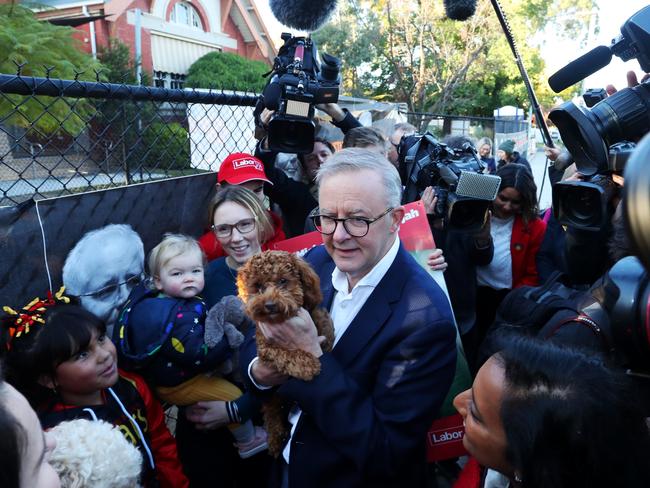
[239, 168]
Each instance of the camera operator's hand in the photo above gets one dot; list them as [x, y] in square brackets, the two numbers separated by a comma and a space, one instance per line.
[552, 153]
[429, 199]
[436, 261]
[632, 81]
[334, 110]
[260, 129]
[574, 177]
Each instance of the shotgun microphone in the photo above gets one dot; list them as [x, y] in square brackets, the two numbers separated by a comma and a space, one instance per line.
[579, 69]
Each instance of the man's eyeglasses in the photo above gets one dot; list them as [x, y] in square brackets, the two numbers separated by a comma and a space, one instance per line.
[355, 226]
[110, 289]
[243, 227]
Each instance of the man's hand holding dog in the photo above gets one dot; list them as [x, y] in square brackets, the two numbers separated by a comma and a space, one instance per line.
[266, 375]
[298, 332]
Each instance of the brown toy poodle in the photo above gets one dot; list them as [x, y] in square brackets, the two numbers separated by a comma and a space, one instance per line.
[274, 285]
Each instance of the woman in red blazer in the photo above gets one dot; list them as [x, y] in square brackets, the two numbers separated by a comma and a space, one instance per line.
[517, 233]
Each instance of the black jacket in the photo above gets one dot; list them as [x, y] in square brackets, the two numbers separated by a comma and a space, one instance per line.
[294, 198]
[517, 159]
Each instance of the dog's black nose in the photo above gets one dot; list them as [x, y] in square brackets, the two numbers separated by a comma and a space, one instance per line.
[271, 307]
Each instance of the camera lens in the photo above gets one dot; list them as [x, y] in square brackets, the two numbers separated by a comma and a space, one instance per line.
[637, 199]
[584, 205]
[589, 133]
[291, 135]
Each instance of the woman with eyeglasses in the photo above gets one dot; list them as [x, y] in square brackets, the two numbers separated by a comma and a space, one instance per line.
[243, 228]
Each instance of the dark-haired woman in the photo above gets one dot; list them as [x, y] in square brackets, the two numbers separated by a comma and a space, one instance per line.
[546, 416]
[517, 233]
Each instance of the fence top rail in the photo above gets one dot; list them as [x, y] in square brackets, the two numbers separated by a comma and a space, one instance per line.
[52, 87]
[446, 116]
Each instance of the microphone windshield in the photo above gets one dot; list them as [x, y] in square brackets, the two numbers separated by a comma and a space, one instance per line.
[579, 69]
[304, 15]
[460, 9]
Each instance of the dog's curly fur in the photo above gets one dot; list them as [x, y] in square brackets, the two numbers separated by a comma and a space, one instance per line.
[94, 454]
[274, 285]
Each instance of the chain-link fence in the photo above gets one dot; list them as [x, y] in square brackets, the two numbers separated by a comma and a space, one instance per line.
[444, 125]
[64, 136]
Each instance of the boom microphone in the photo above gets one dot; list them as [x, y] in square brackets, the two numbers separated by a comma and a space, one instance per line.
[579, 69]
[304, 15]
[460, 9]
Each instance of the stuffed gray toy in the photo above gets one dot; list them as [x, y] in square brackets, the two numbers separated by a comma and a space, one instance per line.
[226, 318]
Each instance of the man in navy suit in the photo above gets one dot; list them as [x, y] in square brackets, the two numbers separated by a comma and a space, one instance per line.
[362, 421]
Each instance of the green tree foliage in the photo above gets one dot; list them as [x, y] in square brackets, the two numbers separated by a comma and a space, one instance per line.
[227, 71]
[167, 146]
[407, 51]
[24, 39]
[118, 67]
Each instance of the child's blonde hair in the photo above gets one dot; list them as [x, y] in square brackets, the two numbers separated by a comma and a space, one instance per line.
[171, 246]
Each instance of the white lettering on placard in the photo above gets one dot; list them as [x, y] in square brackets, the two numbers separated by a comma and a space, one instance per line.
[447, 436]
[411, 214]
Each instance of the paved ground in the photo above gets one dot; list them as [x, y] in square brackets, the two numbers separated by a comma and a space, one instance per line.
[540, 172]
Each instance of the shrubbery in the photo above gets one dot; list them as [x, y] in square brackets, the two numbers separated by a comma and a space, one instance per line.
[166, 146]
[227, 71]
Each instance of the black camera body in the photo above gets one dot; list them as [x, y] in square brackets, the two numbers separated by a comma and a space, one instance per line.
[298, 82]
[624, 295]
[464, 194]
[589, 204]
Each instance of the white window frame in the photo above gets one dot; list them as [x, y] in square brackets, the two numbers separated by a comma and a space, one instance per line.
[184, 13]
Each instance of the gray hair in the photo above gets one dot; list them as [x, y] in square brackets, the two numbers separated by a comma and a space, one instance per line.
[77, 272]
[407, 128]
[356, 159]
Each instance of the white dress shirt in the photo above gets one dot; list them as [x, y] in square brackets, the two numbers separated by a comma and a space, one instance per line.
[345, 307]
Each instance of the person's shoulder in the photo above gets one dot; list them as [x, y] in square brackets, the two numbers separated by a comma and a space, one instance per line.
[418, 282]
[216, 266]
[537, 226]
[317, 257]
[134, 381]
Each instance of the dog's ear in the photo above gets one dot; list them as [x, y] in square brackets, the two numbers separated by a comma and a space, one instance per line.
[312, 295]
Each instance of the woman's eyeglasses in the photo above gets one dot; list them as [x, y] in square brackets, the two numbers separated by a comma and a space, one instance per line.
[243, 227]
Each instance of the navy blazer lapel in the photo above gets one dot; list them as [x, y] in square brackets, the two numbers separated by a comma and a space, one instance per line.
[375, 312]
[326, 287]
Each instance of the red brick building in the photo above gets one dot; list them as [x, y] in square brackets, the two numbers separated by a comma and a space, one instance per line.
[173, 33]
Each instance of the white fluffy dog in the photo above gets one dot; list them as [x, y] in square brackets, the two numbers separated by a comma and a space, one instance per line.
[94, 454]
